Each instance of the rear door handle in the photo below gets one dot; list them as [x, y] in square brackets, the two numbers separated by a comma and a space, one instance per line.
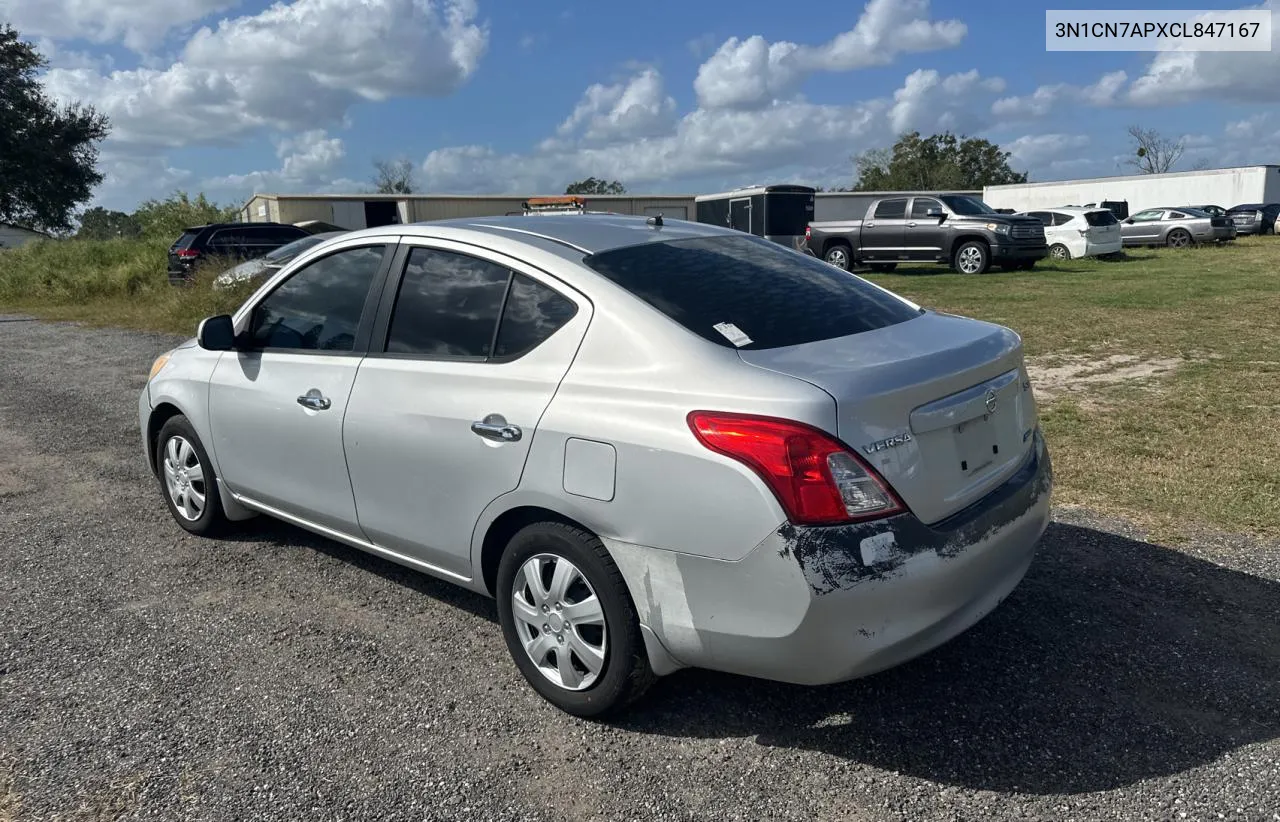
[911, 225]
[314, 400]
[495, 427]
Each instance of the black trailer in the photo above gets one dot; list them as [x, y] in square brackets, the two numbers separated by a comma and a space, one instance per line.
[779, 213]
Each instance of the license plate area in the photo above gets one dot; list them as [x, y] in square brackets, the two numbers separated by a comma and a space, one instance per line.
[977, 445]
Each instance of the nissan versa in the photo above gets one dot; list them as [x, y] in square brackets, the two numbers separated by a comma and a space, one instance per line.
[656, 445]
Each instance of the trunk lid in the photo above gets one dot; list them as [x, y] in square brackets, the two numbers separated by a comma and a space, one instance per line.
[956, 388]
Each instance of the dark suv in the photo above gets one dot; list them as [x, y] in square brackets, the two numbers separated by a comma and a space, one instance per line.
[241, 241]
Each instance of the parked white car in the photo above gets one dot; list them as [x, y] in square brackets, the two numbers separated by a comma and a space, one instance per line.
[1079, 232]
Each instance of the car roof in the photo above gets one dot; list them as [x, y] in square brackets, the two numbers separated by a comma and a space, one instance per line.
[587, 233]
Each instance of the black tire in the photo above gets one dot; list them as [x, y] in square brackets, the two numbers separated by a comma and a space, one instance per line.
[976, 251]
[1178, 238]
[840, 255]
[883, 268]
[1058, 251]
[211, 519]
[626, 674]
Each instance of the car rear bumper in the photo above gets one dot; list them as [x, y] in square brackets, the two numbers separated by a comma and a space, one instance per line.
[821, 605]
[1092, 248]
[1011, 251]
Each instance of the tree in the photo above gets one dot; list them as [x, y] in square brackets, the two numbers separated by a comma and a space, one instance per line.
[593, 186]
[48, 152]
[103, 224]
[1153, 153]
[393, 176]
[941, 161]
[167, 218]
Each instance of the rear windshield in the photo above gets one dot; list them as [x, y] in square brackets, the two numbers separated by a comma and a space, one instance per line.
[1254, 207]
[1099, 218]
[293, 249]
[727, 288]
[185, 241]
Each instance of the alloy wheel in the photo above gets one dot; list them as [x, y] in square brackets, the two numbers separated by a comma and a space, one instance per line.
[838, 258]
[560, 621]
[970, 260]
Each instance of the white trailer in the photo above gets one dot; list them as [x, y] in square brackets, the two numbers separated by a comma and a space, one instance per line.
[1224, 187]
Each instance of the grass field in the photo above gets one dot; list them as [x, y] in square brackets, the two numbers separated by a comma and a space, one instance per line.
[1158, 375]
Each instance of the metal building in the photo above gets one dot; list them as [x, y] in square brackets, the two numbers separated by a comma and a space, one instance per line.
[1224, 187]
[353, 211]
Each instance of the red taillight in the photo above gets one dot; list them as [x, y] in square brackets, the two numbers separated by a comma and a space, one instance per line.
[800, 464]
[808, 232]
[188, 253]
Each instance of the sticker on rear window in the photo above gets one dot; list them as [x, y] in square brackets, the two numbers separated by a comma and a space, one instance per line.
[733, 334]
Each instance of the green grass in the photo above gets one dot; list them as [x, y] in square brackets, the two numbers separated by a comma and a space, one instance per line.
[110, 283]
[1199, 446]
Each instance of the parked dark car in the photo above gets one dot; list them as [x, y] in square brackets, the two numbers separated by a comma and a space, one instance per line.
[957, 230]
[1255, 218]
[241, 241]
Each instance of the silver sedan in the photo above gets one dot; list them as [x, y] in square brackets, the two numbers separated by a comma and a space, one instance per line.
[656, 445]
[1175, 227]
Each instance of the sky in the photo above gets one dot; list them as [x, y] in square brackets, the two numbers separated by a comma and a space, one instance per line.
[233, 97]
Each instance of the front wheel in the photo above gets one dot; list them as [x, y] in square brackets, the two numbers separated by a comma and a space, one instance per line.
[1178, 238]
[1058, 251]
[972, 258]
[569, 621]
[840, 256]
[187, 478]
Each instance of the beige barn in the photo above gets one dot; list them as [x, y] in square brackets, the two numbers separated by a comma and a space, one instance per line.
[353, 211]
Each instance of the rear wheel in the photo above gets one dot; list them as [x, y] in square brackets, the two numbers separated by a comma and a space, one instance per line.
[1058, 251]
[1178, 238]
[972, 258]
[839, 255]
[569, 621]
[883, 267]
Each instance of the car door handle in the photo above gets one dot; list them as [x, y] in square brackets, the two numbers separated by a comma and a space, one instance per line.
[314, 400]
[494, 427]
[911, 225]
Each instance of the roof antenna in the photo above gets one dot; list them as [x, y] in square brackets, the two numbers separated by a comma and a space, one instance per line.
[655, 221]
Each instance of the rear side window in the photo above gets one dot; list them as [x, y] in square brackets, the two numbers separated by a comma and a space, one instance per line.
[1100, 218]
[1058, 218]
[773, 296]
[448, 305]
[319, 307]
[532, 313]
[891, 210]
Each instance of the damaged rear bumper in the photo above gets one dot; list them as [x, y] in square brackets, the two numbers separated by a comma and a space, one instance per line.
[820, 605]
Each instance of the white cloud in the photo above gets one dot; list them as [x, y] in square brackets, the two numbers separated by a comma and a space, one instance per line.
[928, 101]
[788, 135]
[125, 174]
[308, 162]
[1046, 98]
[751, 73]
[140, 24]
[294, 66]
[635, 109]
[1034, 151]
[1186, 76]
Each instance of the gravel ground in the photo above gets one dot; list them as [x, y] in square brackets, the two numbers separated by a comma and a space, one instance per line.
[148, 674]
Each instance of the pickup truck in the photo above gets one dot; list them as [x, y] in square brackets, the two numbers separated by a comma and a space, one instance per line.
[957, 230]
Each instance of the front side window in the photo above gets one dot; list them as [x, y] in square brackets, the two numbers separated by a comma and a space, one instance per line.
[920, 207]
[1147, 216]
[319, 307]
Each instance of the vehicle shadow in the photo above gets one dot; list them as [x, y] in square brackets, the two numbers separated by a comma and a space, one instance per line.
[1115, 661]
[276, 532]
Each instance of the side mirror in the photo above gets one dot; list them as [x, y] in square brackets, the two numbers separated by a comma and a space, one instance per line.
[217, 333]
[935, 212]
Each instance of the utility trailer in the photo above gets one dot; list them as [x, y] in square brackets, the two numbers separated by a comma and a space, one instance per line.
[777, 212]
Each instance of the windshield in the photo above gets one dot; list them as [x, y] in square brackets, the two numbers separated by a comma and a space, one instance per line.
[967, 206]
[287, 252]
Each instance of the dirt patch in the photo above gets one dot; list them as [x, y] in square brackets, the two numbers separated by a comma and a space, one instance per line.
[1054, 376]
